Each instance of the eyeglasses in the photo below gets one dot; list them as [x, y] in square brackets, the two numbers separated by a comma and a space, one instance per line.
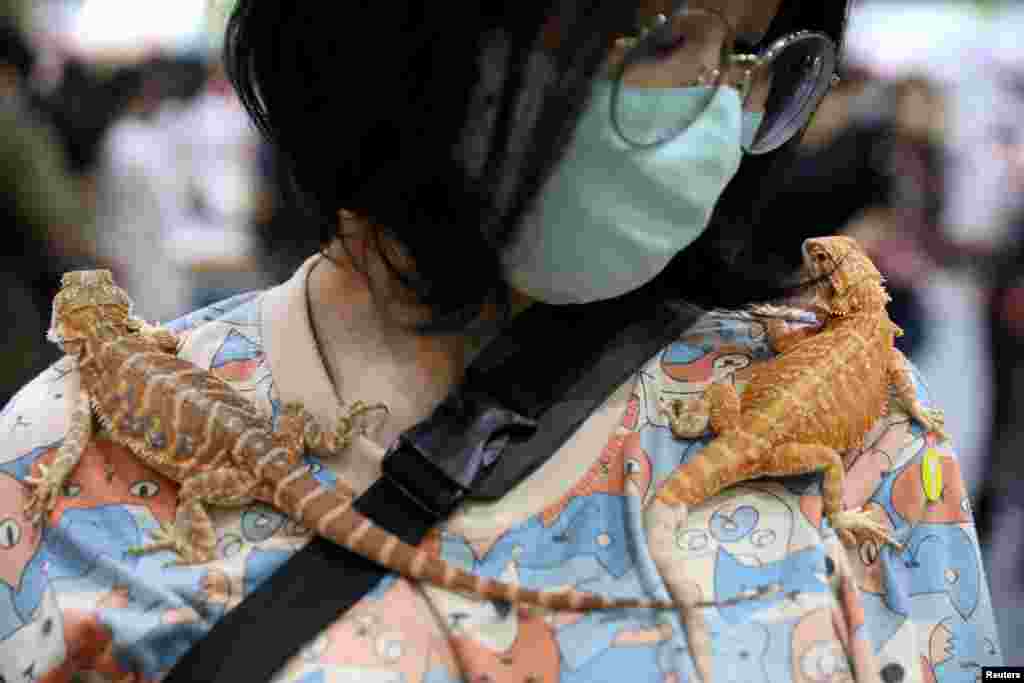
[694, 48]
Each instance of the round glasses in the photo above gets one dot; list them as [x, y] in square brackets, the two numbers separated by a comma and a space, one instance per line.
[694, 49]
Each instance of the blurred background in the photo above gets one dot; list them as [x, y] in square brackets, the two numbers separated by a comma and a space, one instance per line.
[122, 146]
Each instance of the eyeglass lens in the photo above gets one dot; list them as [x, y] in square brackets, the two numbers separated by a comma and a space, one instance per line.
[668, 78]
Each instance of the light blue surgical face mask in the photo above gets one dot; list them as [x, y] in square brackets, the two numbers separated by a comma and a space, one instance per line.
[612, 216]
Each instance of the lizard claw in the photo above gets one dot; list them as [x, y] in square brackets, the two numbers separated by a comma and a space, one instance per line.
[46, 490]
[349, 425]
[167, 537]
[360, 408]
[854, 526]
[688, 418]
[933, 420]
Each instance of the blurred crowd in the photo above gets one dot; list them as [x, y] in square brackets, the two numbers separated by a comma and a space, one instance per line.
[149, 167]
[144, 164]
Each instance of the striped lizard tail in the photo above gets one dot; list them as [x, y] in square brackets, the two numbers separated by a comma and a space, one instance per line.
[331, 513]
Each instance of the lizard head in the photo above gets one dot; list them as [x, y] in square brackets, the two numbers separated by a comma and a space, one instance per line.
[850, 282]
[87, 301]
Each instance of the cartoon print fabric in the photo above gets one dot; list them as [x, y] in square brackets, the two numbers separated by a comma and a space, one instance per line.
[73, 601]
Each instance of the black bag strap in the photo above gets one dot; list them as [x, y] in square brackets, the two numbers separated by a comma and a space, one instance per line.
[521, 399]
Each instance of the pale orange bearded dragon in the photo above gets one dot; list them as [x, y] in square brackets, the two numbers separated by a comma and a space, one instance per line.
[196, 429]
[820, 396]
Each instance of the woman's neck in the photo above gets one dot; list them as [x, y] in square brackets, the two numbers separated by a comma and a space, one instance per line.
[358, 305]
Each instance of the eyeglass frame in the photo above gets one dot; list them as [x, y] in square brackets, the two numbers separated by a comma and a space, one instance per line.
[750, 60]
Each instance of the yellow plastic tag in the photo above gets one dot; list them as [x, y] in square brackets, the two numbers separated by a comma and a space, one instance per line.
[931, 475]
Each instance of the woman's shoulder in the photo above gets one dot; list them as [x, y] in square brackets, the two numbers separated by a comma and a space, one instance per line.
[76, 570]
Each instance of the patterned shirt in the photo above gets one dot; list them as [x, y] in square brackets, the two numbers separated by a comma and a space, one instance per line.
[76, 605]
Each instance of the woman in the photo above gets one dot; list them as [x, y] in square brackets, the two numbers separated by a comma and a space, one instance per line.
[480, 162]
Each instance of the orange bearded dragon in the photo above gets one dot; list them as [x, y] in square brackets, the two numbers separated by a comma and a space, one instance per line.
[820, 396]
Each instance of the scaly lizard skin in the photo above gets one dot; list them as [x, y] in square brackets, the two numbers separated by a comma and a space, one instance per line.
[196, 429]
[818, 397]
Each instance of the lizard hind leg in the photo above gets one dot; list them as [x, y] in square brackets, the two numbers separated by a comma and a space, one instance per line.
[192, 536]
[800, 458]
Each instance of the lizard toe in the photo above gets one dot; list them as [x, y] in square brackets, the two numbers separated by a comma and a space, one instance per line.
[855, 526]
[937, 422]
[292, 408]
[167, 537]
[33, 512]
[43, 499]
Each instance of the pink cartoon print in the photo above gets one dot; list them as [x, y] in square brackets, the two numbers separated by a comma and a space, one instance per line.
[697, 365]
[238, 358]
[532, 656]
[217, 589]
[848, 620]
[632, 417]
[880, 455]
[108, 474]
[500, 642]
[389, 638]
[639, 471]
[689, 367]
[866, 558]
[817, 653]
[623, 469]
[91, 648]
[753, 524]
[37, 648]
[19, 538]
[910, 500]
[811, 505]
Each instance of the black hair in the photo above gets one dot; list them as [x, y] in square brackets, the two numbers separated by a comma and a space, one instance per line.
[433, 121]
[15, 49]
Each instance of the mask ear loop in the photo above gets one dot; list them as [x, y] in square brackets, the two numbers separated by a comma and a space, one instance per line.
[709, 77]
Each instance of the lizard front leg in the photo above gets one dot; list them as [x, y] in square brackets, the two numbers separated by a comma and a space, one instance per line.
[47, 486]
[900, 378]
[718, 409]
[161, 337]
[799, 458]
[192, 536]
[296, 421]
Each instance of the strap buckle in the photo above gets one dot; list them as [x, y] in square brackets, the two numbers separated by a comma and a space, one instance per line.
[440, 461]
[422, 482]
